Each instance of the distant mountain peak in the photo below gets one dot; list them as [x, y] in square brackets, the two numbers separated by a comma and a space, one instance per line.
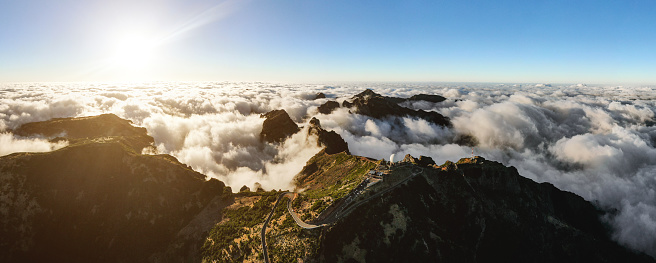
[277, 126]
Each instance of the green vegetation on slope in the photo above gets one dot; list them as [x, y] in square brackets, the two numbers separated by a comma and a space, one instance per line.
[326, 178]
[237, 237]
[324, 170]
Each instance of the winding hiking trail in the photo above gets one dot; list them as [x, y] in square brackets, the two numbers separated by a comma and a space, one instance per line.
[298, 221]
[344, 208]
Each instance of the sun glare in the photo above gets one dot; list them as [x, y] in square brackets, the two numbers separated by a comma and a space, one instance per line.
[134, 53]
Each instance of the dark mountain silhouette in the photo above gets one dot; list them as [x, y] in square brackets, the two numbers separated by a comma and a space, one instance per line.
[377, 106]
[277, 126]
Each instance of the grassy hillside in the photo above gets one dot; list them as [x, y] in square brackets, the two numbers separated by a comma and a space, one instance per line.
[325, 179]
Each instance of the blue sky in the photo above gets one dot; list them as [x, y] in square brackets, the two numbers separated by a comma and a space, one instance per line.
[319, 41]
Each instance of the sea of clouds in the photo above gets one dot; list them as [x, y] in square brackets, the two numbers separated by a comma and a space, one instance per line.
[598, 142]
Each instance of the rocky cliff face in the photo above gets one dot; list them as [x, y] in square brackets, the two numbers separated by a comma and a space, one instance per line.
[277, 126]
[333, 142]
[99, 199]
[472, 211]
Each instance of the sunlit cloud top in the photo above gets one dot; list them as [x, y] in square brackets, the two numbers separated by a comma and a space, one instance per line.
[480, 41]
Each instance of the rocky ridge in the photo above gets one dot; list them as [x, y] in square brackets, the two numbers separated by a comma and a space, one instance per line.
[474, 210]
[423, 161]
[425, 97]
[75, 130]
[374, 105]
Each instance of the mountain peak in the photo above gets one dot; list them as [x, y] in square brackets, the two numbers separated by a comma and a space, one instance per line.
[367, 93]
[277, 126]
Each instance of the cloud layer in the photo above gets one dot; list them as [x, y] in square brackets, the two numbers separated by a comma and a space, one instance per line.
[11, 144]
[597, 142]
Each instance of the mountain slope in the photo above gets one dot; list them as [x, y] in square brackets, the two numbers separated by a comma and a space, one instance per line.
[97, 200]
[473, 211]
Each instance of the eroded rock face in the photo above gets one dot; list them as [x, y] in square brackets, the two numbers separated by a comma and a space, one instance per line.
[374, 105]
[333, 142]
[277, 126]
[320, 95]
[98, 200]
[474, 210]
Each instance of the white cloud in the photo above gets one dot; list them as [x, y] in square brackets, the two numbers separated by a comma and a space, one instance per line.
[10, 144]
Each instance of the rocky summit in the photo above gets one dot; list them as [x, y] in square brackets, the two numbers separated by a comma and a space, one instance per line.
[277, 126]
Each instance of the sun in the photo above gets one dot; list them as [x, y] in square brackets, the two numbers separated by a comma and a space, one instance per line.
[134, 53]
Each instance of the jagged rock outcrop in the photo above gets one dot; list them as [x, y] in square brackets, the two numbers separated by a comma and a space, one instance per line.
[99, 200]
[423, 161]
[333, 142]
[320, 95]
[101, 126]
[474, 210]
[277, 126]
[374, 105]
[328, 107]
